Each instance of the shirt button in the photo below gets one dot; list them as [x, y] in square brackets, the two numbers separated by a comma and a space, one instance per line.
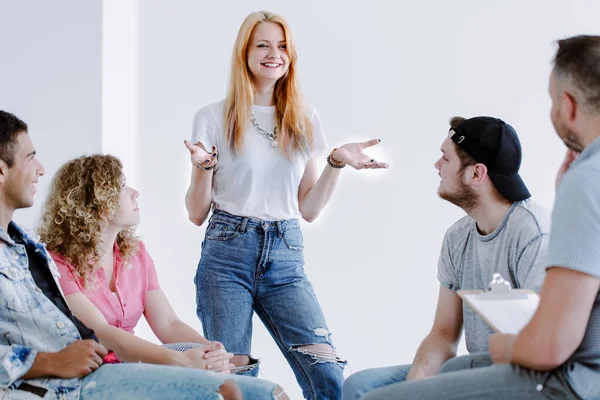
[60, 325]
[16, 256]
[539, 387]
[37, 289]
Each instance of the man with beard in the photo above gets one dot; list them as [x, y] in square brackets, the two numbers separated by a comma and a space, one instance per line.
[561, 343]
[503, 232]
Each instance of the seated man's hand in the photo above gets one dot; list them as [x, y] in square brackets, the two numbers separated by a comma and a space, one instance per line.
[79, 359]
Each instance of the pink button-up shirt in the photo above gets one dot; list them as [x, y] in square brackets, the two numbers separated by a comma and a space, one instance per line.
[123, 308]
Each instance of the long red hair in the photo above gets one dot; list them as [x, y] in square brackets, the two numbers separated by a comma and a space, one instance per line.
[294, 127]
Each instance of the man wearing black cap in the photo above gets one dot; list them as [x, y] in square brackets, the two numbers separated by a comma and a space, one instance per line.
[503, 232]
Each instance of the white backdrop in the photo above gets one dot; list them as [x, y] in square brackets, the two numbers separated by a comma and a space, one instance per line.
[51, 77]
[393, 70]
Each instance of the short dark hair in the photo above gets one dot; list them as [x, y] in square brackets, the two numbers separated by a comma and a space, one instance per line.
[464, 157]
[578, 59]
[10, 128]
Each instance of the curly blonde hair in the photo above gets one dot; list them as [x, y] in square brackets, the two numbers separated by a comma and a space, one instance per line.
[83, 197]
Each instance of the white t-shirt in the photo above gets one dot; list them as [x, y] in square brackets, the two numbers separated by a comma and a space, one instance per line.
[259, 182]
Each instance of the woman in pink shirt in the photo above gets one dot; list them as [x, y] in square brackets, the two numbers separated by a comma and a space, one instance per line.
[107, 276]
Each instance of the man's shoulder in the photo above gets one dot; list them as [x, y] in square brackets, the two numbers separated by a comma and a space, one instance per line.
[460, 229]
[531, 218]
[580, 179]
[5, 254]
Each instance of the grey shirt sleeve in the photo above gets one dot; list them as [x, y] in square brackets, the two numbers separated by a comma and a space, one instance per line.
[575, 236]
[447, 274]
[531, 265]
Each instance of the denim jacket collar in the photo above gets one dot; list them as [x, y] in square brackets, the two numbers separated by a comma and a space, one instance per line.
[33, 240]
[26, 235]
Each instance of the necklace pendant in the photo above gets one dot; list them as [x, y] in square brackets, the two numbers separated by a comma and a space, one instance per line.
[273, 143]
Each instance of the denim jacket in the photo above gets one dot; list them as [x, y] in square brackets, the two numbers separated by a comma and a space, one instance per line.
[29, 322]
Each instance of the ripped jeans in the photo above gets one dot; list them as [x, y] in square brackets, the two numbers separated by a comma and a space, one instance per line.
[149, 381]
[249, 265]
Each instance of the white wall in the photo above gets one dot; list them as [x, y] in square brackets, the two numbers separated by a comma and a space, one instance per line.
[120, 129]
[393, 70]
[51, 77]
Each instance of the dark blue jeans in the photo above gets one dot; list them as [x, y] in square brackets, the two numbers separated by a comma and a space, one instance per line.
[249, 265]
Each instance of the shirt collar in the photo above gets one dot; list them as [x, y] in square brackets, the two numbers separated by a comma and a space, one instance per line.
[589, 151]
[27, 237]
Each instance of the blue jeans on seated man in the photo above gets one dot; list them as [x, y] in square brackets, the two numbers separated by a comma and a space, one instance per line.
[150, 381]
[249, 266]
[365, 381]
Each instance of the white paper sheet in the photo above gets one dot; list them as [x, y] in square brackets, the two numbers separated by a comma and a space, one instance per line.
[504, 316]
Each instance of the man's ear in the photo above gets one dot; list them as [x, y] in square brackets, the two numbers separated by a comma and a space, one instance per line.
[570, 106]
[3, 171]
[479, 174]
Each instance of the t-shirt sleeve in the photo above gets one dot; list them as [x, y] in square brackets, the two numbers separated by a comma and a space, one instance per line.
[204, 129]
[531, 271]
[69, 283]
[575, 234]
[150, 269]
[446, 272]
[319, 146]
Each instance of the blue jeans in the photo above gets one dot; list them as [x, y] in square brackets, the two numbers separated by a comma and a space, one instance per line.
[364, 381]
[370, 379]
[464, 380]
[150, 381]
[249, 265]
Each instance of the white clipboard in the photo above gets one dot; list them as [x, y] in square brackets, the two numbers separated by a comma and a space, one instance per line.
[504, 309]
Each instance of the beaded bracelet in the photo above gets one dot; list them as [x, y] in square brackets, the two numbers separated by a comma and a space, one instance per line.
[333, 162]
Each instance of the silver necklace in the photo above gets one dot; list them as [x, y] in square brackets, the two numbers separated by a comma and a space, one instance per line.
[272, 136]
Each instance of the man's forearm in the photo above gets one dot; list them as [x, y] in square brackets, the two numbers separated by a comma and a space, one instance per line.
[536, 349]
[433, 352]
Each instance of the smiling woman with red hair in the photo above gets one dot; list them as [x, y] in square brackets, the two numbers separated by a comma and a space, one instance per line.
[254, 158]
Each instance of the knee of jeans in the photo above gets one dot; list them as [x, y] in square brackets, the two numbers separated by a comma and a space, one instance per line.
[355, 386]
[229, 390]
[319, 353]
[279, 393]
[244, 363]
[452, 365]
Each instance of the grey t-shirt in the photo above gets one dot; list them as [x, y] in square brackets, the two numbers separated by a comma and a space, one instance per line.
[517, 250]
[575, 244]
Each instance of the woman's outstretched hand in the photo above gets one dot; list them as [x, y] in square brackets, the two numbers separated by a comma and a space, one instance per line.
[353, 155]
[199, 156]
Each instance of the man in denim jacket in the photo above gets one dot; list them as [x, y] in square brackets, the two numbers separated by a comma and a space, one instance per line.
[45, 351]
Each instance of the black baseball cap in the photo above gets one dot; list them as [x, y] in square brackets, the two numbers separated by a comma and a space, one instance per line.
[495, 144]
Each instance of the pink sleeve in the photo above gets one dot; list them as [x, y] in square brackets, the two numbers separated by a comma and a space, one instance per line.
[68, 282]
[150, 269]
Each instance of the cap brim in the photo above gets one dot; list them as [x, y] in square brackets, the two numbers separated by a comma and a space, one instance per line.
[510, 186]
